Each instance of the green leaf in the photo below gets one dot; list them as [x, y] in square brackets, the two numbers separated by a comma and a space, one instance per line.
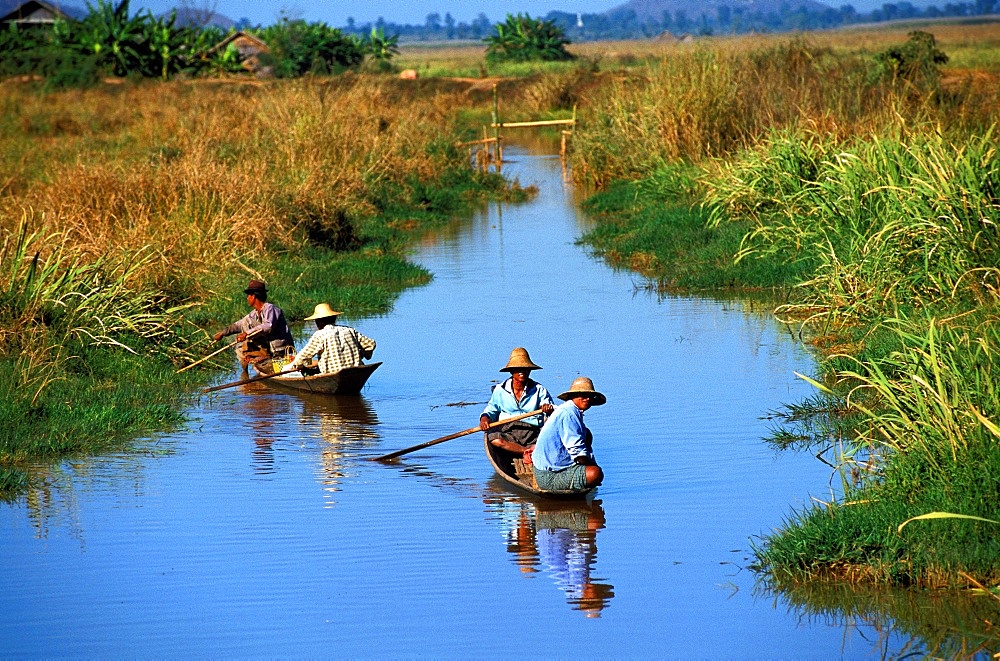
[944, 515]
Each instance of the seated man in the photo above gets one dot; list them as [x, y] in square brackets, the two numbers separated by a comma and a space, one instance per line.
[563, 458]
[338, 346]
[517, 395]
[263, 333]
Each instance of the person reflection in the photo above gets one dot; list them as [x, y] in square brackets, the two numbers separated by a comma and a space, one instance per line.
[562, 542]
[344, 424]
[262, 412]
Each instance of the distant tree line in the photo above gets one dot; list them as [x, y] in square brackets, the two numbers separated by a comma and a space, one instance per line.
[718, 19]
[110, 40]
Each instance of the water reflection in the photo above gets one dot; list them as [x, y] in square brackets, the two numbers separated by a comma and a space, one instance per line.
[558, 538]
[895, 622]
[345, 424]
[262, 412]
[340, 426]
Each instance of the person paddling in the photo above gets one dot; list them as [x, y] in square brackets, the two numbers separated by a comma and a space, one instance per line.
[518, 394]
[263, 333]
[337, 346]
[563, 458]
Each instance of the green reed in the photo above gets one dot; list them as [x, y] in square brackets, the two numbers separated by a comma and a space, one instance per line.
[926, 420]
[896, 220]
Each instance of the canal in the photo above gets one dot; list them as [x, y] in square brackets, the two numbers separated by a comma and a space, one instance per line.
[264, 528]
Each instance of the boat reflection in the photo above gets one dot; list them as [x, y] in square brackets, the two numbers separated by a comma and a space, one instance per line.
[263, 412]
[346, 425]
[339, 426]
[558, 538]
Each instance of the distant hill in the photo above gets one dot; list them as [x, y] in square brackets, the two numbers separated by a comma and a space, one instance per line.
[653, 9]
[197, 18]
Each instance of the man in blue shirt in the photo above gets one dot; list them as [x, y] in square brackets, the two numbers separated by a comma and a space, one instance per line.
[563, 457]
[518, 394]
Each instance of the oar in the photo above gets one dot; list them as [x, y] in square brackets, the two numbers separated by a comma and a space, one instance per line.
[397, 453]
[240, 383]
[214, 353]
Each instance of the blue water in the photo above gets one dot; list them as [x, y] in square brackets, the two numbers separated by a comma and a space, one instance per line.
[263, 528]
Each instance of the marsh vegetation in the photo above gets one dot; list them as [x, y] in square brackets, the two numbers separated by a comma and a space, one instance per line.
[852, 174]
[132, 214]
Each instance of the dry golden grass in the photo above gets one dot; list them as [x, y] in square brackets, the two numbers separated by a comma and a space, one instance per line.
[204, 174]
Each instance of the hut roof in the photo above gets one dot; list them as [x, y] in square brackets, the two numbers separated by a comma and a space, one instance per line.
[245, 42]
[34, 12]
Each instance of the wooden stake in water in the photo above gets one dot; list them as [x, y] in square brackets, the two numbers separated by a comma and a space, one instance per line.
[496, 127]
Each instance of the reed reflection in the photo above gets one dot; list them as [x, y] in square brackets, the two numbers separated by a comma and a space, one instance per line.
[558, 538]
[892, 622]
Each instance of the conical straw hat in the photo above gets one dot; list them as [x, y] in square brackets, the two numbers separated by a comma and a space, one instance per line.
[519, 360]
[582, 385]
[322, 311]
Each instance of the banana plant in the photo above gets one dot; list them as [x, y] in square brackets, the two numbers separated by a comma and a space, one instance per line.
[381, 47]
[522, 39]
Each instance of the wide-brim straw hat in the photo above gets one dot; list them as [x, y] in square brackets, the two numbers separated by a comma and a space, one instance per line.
[581, 386]
[322, 312]
[519, 360]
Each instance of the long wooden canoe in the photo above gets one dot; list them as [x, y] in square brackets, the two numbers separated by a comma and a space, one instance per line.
[515, 473]
[348, 381]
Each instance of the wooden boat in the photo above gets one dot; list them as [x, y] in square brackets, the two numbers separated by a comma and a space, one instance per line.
[348, 381]
[512, 470]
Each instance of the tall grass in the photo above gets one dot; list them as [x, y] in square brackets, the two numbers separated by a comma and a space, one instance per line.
[929, 426]
[713, 102]
[897, 220]
[873, 196]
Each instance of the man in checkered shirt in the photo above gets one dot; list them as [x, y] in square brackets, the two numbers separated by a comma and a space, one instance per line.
[338, 346]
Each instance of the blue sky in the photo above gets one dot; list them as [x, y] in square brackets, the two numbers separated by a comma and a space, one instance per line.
[398, 11]
[266, 12]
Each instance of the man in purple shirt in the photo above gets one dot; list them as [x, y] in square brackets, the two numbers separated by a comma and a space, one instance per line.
[261, 334]
[564, 457]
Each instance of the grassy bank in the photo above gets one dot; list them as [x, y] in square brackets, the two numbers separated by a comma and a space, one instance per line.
[132, 216]
[860, 181]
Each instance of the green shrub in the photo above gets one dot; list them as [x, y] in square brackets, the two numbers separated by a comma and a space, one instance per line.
[298, 47]
[525, 39]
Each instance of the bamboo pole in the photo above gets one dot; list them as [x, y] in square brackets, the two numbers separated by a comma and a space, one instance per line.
[464, 432]
[496, 126]
[541, 122]
[215, 353]
[475, 142]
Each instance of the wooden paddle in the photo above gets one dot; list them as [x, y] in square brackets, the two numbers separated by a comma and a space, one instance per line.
[397, 453]
[215, 353]
[240, 383]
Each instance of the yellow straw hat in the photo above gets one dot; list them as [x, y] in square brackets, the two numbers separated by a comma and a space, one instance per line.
[519, 360]
[322, 312]
[581, 386]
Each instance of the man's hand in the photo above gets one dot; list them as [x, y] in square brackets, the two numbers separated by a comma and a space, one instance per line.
[547, 409]
[241, 337]
[484, 423]
[218, 336]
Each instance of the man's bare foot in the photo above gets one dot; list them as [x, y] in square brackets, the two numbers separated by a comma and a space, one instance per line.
[508, 446]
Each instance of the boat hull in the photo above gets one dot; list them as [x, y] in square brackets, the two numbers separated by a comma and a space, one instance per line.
[348, 381]
[504, 465]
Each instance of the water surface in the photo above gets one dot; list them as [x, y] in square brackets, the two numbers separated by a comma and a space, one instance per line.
[263, 529]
